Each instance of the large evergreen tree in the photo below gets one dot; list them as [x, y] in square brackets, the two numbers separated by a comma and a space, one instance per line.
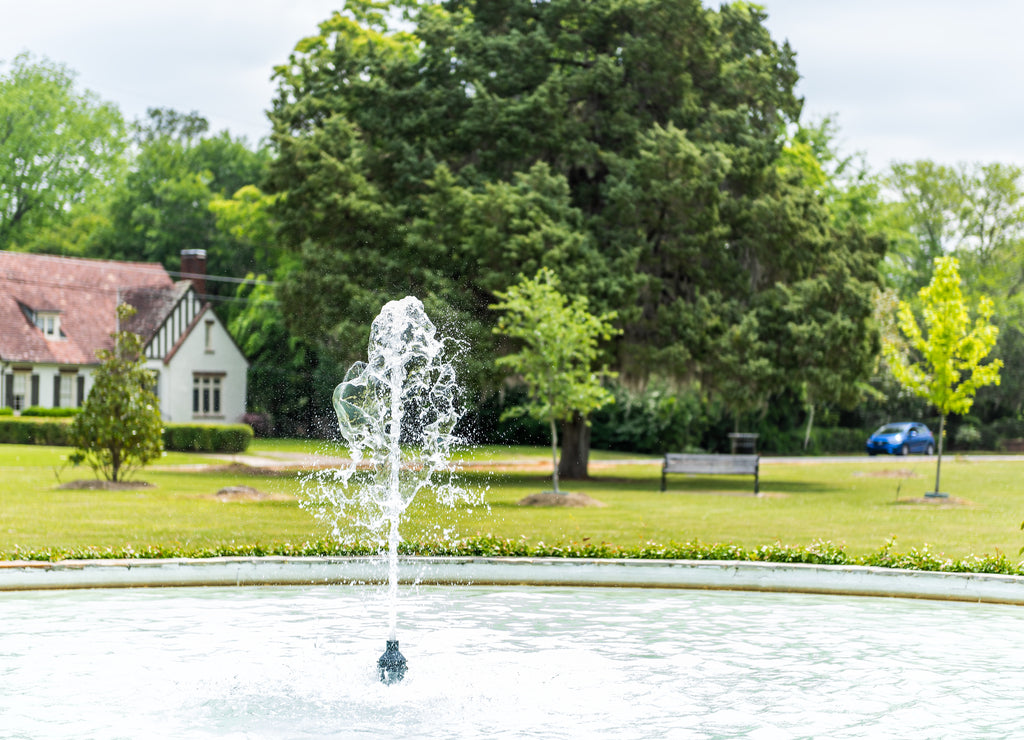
[634, 147]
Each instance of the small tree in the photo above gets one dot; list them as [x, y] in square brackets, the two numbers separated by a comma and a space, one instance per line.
[119, 428]
[559, 347]
[950, 370]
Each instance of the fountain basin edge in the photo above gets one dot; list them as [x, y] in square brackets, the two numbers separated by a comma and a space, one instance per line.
[852, 580]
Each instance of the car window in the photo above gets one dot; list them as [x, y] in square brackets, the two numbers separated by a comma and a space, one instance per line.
[890, 429]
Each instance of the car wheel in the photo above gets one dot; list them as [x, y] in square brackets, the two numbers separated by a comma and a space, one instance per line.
[904, 450]
[930, 450]
[872, 454]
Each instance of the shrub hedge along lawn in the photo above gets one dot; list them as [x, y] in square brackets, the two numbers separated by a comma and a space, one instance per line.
[41, 430]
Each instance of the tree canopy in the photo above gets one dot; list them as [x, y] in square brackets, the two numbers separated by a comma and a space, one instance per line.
[638, 149]
[58, 147]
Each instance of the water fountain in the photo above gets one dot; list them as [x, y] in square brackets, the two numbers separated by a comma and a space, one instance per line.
[397, 414]
[670, 657]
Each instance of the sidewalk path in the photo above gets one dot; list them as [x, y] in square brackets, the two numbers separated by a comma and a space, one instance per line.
[307, 461]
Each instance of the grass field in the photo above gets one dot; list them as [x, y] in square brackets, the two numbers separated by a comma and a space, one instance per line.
[859, 503]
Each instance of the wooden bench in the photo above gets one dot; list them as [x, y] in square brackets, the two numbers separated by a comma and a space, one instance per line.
[712, 465]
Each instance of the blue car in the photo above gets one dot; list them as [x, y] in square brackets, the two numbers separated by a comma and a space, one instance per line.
[902, 438]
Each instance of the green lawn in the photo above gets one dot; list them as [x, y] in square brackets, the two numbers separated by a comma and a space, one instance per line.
[853, 503]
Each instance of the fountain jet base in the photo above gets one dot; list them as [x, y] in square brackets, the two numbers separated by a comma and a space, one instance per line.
[391, 665]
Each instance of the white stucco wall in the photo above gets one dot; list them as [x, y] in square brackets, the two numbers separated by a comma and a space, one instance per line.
[195, 356]
[46, 374]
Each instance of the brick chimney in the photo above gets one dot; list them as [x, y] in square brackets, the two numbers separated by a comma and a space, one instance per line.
[193, 267]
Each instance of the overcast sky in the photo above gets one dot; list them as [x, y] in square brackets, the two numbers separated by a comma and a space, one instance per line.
[905, 79]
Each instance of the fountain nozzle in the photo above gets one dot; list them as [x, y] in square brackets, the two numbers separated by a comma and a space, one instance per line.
[391, 665]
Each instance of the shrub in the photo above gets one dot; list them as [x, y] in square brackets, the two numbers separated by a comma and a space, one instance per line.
[6, 411]
[207, 437]
[262, 425]
[968, 437]
[33, 431]
[57, 412]
[654, 420]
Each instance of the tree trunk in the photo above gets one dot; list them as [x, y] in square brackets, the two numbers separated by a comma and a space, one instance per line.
[554, 455]
[938, 462]
[575, 449]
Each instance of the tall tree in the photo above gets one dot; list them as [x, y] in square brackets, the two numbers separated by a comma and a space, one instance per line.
[58, 147]
[632, 146]
[947, 362]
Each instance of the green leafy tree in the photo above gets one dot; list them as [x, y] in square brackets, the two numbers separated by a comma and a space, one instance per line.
[558, 350]
[119, 428]
[945, 363]
[634, 147]
[178, 194]
[58, 147]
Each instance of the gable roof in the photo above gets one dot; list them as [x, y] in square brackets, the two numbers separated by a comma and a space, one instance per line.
[85, 292]
[152, 305]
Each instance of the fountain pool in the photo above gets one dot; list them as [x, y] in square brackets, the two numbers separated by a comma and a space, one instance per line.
[554, 662]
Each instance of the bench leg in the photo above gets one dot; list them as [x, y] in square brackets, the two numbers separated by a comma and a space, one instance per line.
[757, 488]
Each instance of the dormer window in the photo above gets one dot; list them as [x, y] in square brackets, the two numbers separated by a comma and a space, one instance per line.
[46, 320]
[49, 323]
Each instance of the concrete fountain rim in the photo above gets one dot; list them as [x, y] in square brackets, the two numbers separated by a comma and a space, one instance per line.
[849, 580]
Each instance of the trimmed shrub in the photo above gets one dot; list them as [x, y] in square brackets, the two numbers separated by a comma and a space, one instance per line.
[33, 431]
[6, 411]
[58, 412]
[207, 437]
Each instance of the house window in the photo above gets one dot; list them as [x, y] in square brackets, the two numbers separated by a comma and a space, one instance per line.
[209, 336]
[67, 385]
[206, 394]
[20, 390]
[49, 323]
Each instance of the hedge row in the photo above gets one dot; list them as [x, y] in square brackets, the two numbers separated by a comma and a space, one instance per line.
[57, 412]
[207, 437]
[821, 552]
[178, 437]
[20, 430]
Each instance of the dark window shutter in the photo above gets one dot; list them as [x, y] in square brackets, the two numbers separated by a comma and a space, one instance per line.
[35, 391]
[56, 391]
[9, 394]
[81, 390]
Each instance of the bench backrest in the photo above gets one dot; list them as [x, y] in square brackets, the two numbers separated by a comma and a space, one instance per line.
[712, 464]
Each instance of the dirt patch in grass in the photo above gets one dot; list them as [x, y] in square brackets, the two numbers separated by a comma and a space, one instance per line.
[564, 500]
[887, 473]
[91, 484]
[934, 502]
[247, 493]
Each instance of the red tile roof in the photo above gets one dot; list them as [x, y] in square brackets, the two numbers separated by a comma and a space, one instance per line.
[84, 291]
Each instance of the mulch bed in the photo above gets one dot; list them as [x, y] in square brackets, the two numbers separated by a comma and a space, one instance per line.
[951, 502]
[565, 500]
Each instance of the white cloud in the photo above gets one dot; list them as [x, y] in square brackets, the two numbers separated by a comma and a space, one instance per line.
[932, 79]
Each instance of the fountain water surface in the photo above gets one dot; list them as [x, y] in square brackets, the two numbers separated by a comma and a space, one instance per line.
[397, 414]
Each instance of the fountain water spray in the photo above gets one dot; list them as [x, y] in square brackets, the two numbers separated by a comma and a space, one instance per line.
[397, 414]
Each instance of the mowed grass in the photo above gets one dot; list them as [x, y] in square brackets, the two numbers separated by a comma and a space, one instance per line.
[859, 503]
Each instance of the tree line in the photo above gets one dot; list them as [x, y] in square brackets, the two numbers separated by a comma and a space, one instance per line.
[651, 154]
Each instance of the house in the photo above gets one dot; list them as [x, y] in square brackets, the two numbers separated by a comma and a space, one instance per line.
[56, 312]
